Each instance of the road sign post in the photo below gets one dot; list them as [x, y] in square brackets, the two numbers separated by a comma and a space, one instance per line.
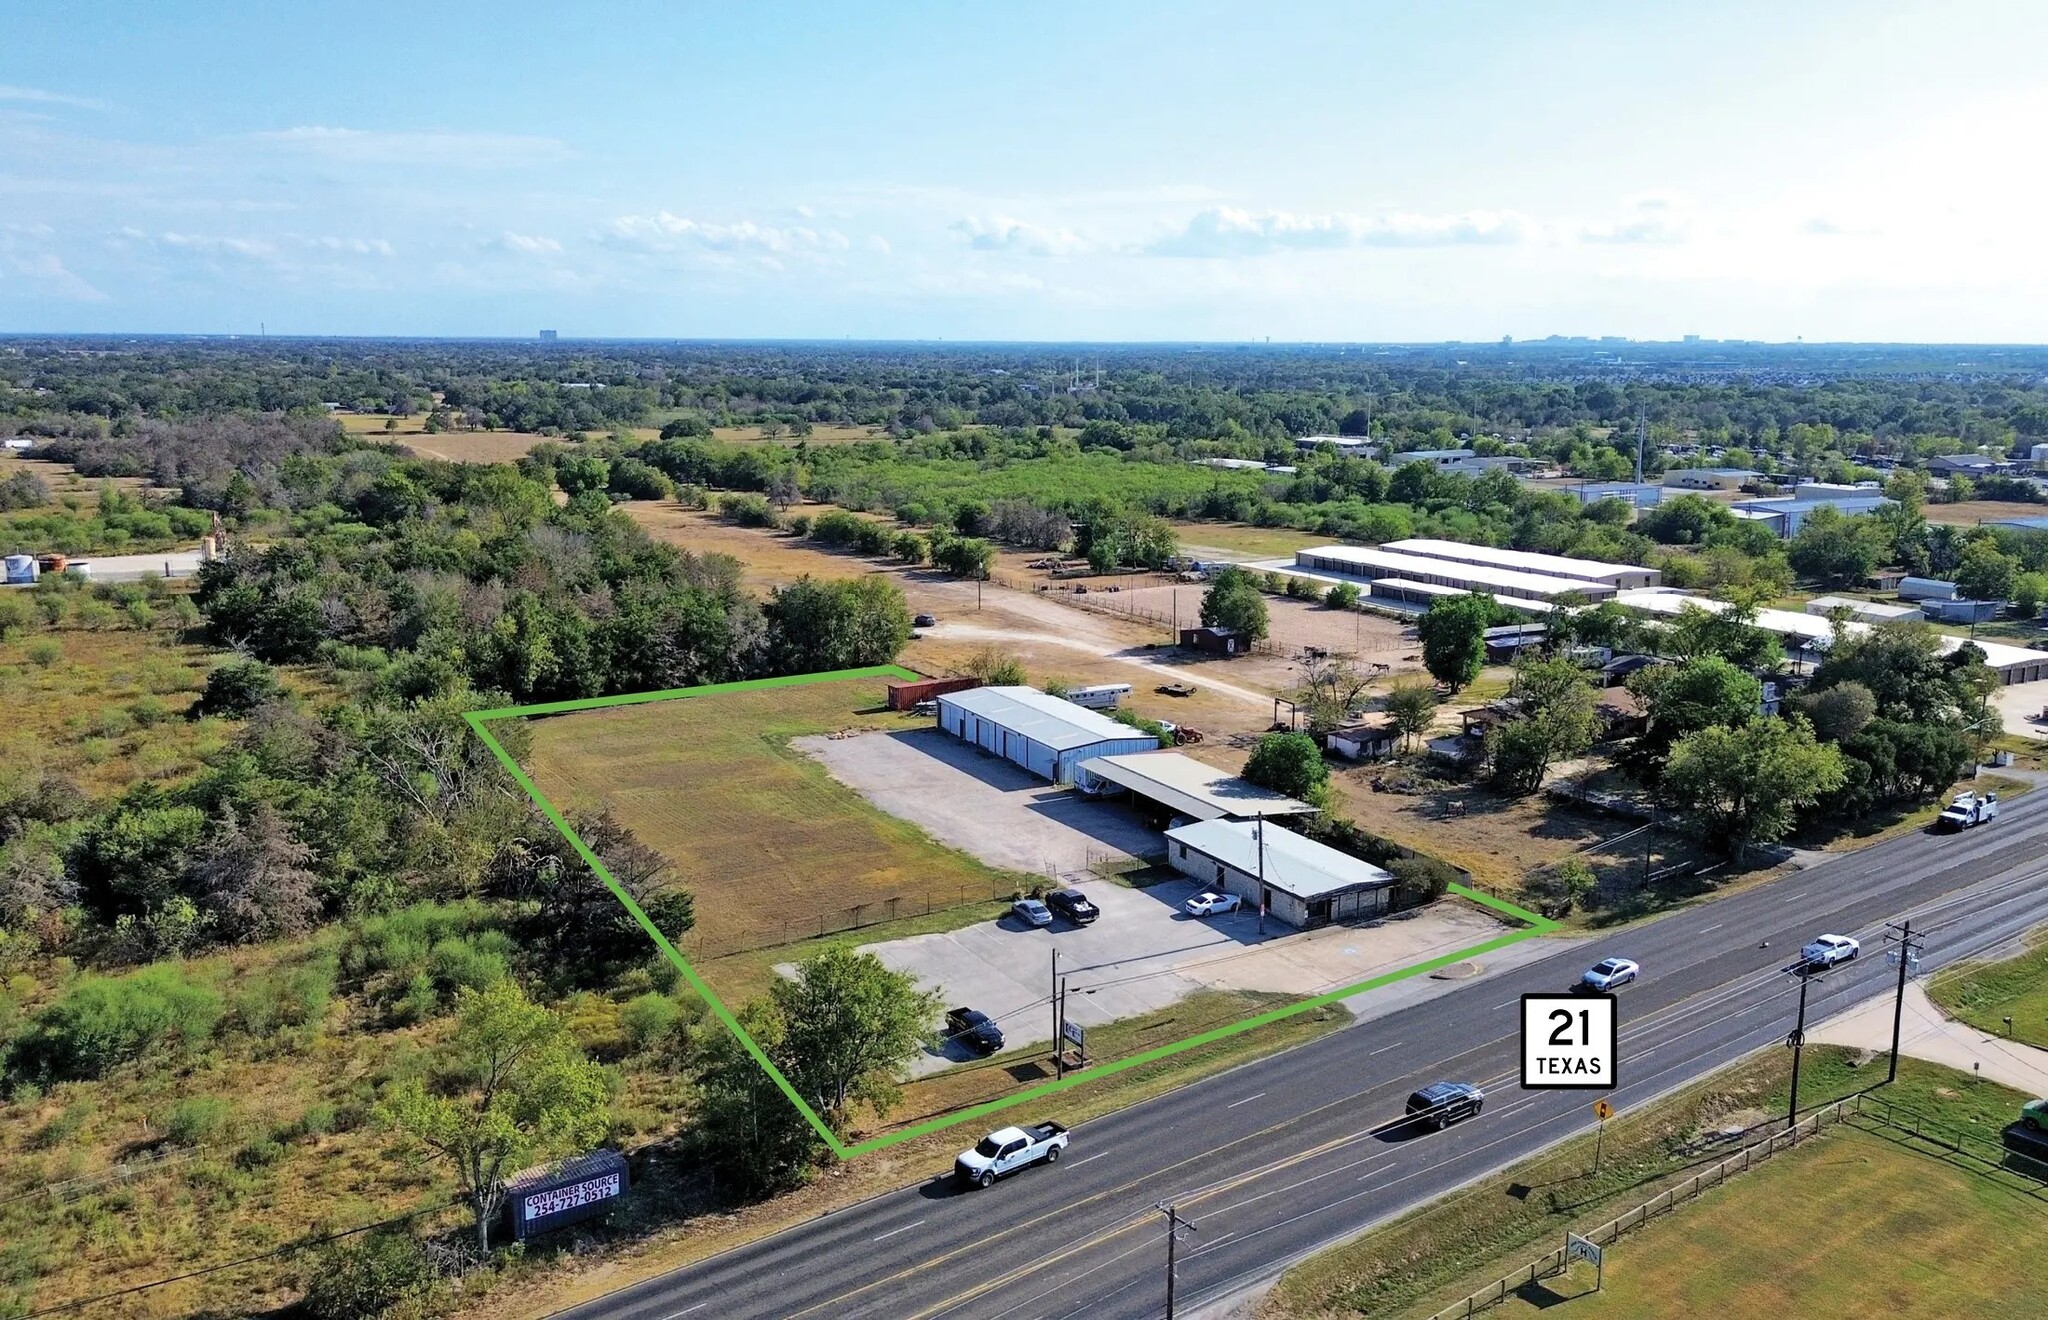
[1569, 1042]
[1602, 1111]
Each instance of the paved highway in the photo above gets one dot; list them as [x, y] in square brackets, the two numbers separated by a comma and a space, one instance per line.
[1279, 1158]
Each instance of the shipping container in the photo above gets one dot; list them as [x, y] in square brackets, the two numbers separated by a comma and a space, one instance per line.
[903, 696]
[555, 1195]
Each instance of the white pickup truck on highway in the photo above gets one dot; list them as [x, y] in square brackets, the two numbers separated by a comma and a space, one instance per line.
[1967, 810]
[1006, 1150]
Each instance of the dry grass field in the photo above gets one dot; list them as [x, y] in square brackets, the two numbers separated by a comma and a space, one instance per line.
[1969, 513]
[64, 481]
[451, 446]
[771, 846]
[104, 708]
[1241, 540]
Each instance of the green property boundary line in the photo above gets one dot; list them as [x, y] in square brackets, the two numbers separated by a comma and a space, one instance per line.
[478, 720]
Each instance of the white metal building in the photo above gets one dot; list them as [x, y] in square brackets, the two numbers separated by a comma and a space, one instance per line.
[1358, 562]
[1048, 736]
[1529, 561]
[1185, 787]
[1302, 882]
[1404, 592]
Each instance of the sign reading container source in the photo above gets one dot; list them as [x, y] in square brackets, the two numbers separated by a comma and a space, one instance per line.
[555, 1195]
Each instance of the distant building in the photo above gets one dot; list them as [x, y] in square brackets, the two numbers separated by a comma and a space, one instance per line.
[1869, 611]
[1641, 495]
[1920, 588]
[1787, 514]
[1354, 446]
[1438, 457]
[1962, 465]
[547, 336]
[1709, 478]
[1961, 611]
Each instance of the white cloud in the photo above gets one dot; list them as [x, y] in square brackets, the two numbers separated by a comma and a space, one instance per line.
[1226, 231]
[537, 245]
[1002, 234]
[666, 232]
[10, 92]
[1652, 218]
[269, 250]
[431, 147]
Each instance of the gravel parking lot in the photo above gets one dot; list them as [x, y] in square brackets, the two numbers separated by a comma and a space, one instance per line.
[1143, 954]
[982, 804]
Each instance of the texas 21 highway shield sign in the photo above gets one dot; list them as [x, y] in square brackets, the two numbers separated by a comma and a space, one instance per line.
[1569, 1043]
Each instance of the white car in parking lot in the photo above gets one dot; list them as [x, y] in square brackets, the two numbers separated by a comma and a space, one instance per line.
[1032, 911]
[1209, 904]
[1829, 950]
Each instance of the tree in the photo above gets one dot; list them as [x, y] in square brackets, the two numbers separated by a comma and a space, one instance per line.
[1330, 686]
[745, 1125]
[1837, 712]
[1682, 699]
[1835, 549]
[1901, 663]
[256, 881]
[996, 667]
[1411, 707]
[1342, 596]
[1606, 624]
[2029, 591]
[1985, 572]
[1749, 784]
[237, 687]
[1290, 763]
[1555, 722]
[1453, 632]
[848, 1023]
[1234, 601]
[1730, 633]
[531, 1095]
[818, 626]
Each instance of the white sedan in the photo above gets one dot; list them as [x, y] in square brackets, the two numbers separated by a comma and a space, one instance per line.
[1032, 911]
[1609, 973]
[1829, 950]
[1211, 904]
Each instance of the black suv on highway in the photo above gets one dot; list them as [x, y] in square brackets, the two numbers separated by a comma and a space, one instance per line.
[1441, 1104]
[1073, 905]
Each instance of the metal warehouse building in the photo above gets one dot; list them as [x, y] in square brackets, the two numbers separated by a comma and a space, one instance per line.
[1048, 736]
[1528, 561]
[1182, 786]
[1422, 593]
[1353, 561]
[1301, 882]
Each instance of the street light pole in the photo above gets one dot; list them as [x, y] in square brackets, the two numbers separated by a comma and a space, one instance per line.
[1259, 840]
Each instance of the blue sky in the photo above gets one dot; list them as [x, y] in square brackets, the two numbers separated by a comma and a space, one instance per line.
[1360, 171]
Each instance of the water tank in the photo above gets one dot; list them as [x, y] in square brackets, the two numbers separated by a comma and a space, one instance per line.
[21, 568]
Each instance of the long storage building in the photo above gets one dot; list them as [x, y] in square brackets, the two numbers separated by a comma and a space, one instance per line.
[1300, 881]
[1048, 736]
[1358, 562]
[1529, 561]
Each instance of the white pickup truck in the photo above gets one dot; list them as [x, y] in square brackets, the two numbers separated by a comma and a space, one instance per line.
[1006, 1150]
[1967, 810]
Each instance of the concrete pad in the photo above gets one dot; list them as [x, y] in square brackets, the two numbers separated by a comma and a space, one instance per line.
[982, 804]
[2020, 707]
[1927, 1033]
[1144, 954]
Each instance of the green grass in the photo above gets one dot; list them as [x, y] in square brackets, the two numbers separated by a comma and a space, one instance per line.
[1877, 1229]
[1984, 994]
[1466, 1240]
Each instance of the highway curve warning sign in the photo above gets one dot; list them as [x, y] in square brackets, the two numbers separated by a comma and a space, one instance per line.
[1569, 1043]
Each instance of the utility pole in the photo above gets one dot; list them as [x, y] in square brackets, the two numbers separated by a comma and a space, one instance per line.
[1259, 842]
[1642, 439]
[1059, 1046]
[1174, 1224]
[1908, 954]
[1797, 1042]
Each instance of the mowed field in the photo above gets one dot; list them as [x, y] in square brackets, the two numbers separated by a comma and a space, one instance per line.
[451, 446]
[1851, 1226]
[771, 846]
[1968, 513]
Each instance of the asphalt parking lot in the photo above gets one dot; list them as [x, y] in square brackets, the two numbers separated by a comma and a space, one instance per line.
[1144, 954]
[982, 804]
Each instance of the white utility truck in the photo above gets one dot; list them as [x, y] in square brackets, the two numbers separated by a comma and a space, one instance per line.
[1969, 809]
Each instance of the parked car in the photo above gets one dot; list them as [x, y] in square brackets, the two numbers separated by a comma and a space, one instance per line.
[1073, 905]
[1441, 1104]
[2034, 1115]
[1609, 973]
[1207, 904]
[1968, 810]
[925, 621]
[1033, 911]
[1006, 1150]
[974, 1029]
[1830, 949]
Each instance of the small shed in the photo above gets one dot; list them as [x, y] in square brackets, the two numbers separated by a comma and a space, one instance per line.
[1920, 588]
[1620, 714]
[1215, 641]
[1299, 881]
[1374, 741]
[1961, 611]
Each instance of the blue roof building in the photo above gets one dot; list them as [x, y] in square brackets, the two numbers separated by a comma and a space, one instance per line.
[1787, 516]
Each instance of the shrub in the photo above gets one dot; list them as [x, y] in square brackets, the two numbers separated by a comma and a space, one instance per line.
[259, 1153]
[372, 1277]
[799, 525]
[748, 510]
[103, 1022]
[650, 1020]
[238, 687]
[289, 996]
[1422, 880]
[45, 651]
[1342, 596]
[196, 1120]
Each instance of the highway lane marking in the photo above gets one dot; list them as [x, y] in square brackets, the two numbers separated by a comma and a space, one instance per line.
[1247, 1100]
[894, 1231]
[677, 1315]
[1212, 1244]
[1707, 929]
[1085, 1158]
[1505, 1002]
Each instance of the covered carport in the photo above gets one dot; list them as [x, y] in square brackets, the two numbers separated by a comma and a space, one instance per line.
[1167, 785]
